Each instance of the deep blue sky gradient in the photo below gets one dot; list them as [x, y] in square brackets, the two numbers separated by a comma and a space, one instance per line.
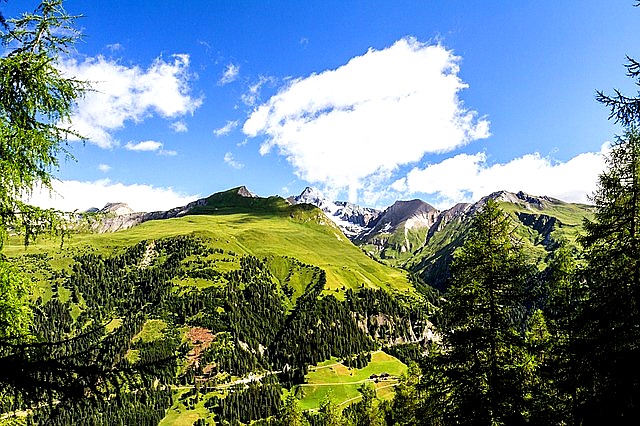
[532, 69]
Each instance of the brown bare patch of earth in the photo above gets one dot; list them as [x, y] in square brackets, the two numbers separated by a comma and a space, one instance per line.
[200, 338]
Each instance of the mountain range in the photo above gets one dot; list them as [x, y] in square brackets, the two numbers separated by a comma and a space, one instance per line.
[410, 234]
[257, 284]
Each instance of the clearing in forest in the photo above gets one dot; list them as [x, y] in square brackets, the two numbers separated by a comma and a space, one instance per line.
[341, 383]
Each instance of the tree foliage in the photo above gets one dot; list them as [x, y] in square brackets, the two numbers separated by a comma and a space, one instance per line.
[483, 359]
[624, 109]
[290, 413]
[329, 413]
[15, 315]
[551, 336]
[36, 102]
[607, 347]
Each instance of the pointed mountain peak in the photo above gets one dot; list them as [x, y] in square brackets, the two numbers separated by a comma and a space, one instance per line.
[244, 192]
[351, 219]
[311, 193]
[411, 214]
[313, 196]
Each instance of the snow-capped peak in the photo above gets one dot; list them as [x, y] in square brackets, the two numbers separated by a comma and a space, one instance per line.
[352, 219]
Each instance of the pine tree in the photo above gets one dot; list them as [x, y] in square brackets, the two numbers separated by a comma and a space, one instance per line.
[483, 359]
[290, 413]
[36, 103]
[550, 337]
[417, 397]
[607, 345]
[368, 413]
[329, 414]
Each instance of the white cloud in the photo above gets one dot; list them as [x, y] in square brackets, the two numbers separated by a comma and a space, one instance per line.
[466, 178]
[179, 126]
[381, 110]
[149, 146]
[252, 96]
[122, 94]
[70, 195]
[226, 129]
[104, 167]
[228, 159]
[230, 74]
[144, 146]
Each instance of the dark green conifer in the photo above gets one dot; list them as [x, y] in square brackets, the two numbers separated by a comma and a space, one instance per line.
[484, 357]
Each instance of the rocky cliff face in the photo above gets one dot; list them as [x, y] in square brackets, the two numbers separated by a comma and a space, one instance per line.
[393, 226]
[522, 199]
[408, 214]
[119, 216]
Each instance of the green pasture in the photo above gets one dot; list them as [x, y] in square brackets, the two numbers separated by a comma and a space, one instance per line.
[340, 383]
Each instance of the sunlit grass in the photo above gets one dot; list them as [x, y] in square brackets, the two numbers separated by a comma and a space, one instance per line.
[340, 383]
[307, 241]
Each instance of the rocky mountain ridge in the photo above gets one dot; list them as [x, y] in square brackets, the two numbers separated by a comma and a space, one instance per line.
[352, 219]
[412, 228]
[410, 234]
[119, 216]
[360, 224]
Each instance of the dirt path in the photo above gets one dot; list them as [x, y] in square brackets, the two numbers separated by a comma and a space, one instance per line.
[338, 383]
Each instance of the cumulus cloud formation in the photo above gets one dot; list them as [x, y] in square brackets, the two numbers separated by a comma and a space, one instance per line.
[143, 146]
[226, 129]
[70, 195]
[121, 94]
[149, 146]
[381, 110]
[230, 74]
[104, 167]
[229, 160]
[466, 178]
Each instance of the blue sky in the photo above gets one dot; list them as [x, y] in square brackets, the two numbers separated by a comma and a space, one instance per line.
[444, 100]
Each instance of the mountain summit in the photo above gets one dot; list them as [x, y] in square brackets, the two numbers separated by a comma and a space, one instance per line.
[244, 192]
[352, 219]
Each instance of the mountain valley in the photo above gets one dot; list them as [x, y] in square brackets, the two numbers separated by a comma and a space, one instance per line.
[272, 286]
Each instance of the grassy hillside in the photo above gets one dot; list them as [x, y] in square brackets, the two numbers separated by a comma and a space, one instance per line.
[538, 231]
[262, 227]
[399, 245]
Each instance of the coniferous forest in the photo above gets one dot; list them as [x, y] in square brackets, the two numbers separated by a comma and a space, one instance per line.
[134, 332]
